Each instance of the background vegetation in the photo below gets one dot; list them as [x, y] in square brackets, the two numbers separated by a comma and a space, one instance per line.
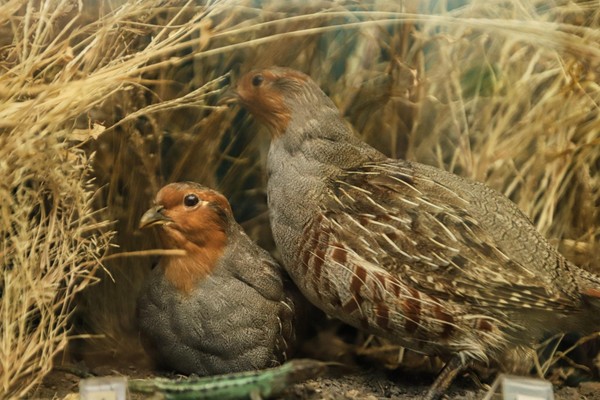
[102, 102]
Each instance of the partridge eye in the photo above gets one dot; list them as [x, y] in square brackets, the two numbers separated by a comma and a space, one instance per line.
[257, 80]
[190, 200]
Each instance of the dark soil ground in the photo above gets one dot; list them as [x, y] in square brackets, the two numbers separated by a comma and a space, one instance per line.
[366, 379]
[371, 384]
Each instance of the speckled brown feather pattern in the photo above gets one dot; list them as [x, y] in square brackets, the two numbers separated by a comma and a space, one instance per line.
[418, 244]
[433, 261]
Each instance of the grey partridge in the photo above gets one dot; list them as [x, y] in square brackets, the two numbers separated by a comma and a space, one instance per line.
[224, 306]
[435, 262]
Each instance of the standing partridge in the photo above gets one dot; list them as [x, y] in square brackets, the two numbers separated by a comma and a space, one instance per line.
[222, 307]
[435, 262]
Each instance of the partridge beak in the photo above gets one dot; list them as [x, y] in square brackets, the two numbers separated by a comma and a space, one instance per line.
[154, 216]
[230, 96]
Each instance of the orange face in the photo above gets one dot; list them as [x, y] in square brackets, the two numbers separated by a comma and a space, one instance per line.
[262, 93]
[191, 218]
[188, 212]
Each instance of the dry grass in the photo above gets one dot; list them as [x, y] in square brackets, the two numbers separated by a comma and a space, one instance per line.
[505, 92]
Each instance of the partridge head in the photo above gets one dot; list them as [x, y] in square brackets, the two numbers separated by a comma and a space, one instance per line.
[224, 305]
[440, 264]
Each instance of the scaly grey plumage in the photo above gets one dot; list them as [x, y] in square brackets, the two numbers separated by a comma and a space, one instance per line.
[223, 307]
[438, 263]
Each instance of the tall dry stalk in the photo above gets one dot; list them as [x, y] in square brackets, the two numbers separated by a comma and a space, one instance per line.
[58, 68]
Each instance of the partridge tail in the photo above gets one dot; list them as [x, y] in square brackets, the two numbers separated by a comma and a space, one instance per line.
[589, 285]
[589, 288]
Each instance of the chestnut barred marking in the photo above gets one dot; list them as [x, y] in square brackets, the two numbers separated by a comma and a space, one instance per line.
[447, 321]
[484, 325]
[412, 310]
[382, 311]
[382, 315]
[358, 281]
[318, 257]
[396, 286]
[339, 253]
[356, 284]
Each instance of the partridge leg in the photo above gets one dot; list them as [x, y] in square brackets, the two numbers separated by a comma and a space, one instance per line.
[452, 368]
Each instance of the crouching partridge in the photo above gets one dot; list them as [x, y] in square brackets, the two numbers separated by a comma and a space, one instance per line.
[223, 307]
[438, 263]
